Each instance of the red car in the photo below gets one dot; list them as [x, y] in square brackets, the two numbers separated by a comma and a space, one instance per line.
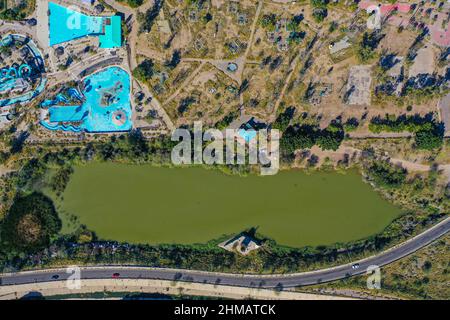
[116, 275]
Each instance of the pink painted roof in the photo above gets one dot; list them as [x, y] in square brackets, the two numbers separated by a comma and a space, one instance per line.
[386, 8]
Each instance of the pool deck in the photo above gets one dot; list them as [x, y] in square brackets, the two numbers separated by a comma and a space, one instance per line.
[42, 29]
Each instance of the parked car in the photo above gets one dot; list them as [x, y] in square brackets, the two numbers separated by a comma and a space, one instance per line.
[116, 275]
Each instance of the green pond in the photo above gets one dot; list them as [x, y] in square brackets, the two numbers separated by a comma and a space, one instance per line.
[140, 203]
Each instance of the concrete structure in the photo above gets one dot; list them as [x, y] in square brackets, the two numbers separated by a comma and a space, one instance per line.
[359, 85]
[340, 45]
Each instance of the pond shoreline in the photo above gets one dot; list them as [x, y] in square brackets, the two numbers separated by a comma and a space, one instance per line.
[243, 203]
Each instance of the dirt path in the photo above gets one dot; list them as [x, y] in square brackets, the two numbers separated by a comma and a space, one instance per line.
[150, 53]
[292, 67]
[299, 57]
[252, 34]
[157, 286]
[120, 7]
[249, 47]
[185, 83]
[417, 167]
[383, 135]
[408, 165]
[133, 36]
[155, 104]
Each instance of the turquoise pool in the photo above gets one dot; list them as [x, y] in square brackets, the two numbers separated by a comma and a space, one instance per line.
[103, 106]
[67, 24]
[6, 85]
[248, 135]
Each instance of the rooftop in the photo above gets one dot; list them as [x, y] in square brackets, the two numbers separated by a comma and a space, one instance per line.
[112, 38]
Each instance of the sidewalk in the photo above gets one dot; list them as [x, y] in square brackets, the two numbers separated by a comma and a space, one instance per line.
[156, 286]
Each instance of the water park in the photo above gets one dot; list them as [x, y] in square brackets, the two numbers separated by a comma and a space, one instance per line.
[68, 25]
[21, 71]
[100, 105]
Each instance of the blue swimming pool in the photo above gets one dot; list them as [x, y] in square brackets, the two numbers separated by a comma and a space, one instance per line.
[66, 114]
[248, 135]
[67, 24]
[105, 105]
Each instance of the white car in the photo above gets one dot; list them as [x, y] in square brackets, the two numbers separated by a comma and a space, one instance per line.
[355, 266]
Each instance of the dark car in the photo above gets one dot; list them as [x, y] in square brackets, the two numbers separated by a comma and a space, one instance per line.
[116, 275]
[55, 277]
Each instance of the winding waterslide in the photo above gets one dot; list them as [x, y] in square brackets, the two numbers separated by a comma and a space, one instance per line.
[13, 280]
[24, 70]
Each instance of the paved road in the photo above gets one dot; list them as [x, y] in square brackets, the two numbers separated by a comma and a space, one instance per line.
[268, 281]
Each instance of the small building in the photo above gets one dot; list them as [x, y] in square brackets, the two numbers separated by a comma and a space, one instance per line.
[242, 244]
[358, 85]
[340, 45]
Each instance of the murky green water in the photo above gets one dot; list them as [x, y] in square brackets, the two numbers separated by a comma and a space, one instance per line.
[193, 205]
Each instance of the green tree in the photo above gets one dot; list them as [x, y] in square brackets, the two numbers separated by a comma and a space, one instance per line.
[385, 175]
[320, 11]
[135, 3]
[331, 137]
[144, 71]
[430, 139]
[367, 46]
[283, 119]
[148, 19]
[30, 224]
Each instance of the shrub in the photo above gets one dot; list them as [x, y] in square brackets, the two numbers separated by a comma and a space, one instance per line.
[386, 175]
[30, 224]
